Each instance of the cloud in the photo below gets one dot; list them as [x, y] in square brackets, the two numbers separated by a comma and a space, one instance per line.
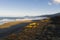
[56, 1]
[49, 3]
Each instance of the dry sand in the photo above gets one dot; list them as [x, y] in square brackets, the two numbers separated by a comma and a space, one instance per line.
[7, 25]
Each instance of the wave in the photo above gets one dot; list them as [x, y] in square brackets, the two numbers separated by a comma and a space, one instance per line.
[2, 21]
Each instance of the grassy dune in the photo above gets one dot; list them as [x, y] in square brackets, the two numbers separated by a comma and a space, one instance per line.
[6, 25]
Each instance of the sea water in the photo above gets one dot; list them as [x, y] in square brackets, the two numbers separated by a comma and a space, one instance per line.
[2, 21]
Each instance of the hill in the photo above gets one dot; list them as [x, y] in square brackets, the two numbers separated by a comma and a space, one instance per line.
[52, 15]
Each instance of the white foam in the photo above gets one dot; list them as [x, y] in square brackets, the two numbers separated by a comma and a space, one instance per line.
[5, 21]
[27, 18]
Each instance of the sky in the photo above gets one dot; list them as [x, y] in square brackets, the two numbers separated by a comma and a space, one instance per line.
[18, 8]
